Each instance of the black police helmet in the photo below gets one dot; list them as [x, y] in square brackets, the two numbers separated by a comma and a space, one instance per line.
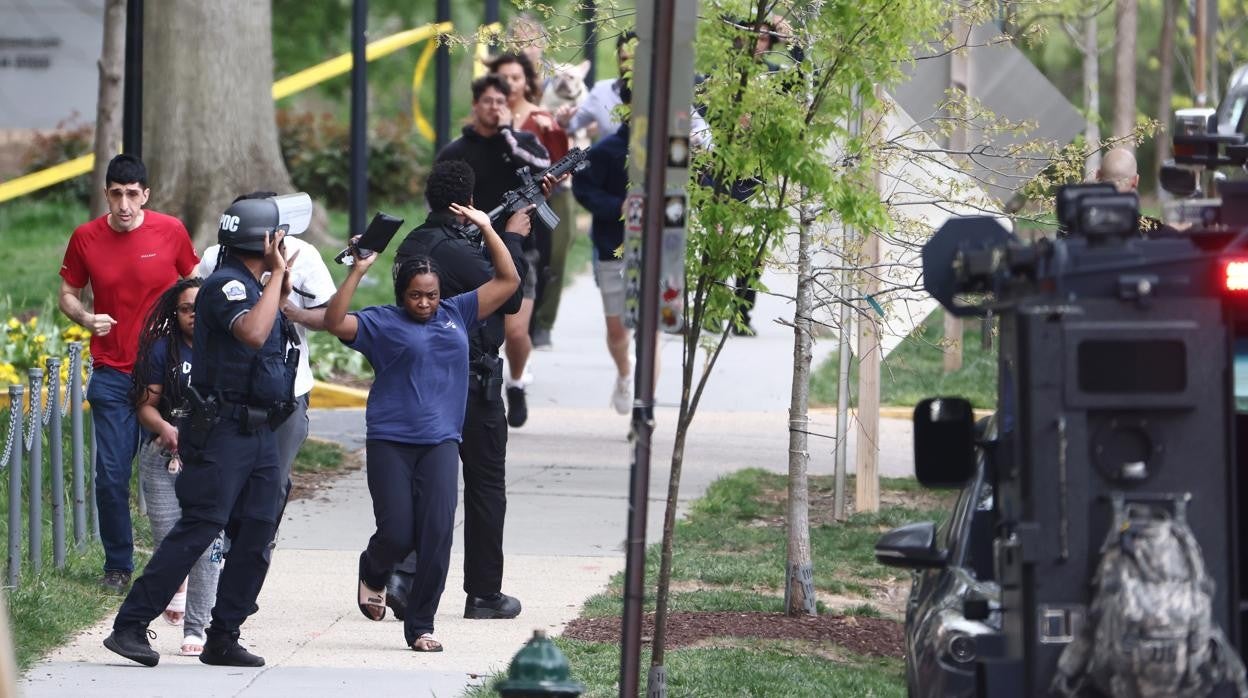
[245, 223]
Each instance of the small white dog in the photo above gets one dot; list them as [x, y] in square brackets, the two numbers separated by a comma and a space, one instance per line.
[567, 87]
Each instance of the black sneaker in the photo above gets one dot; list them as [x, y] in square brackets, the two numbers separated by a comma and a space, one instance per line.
[116, 581]
[222, 649]
[517, 408]
[493, 606]
[131, 643]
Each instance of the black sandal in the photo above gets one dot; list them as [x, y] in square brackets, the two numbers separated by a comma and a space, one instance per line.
[372, 603]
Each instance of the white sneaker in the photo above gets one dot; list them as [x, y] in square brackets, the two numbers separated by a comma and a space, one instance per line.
[622, 396]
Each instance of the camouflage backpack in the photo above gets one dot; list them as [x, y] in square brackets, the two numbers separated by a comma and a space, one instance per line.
[1150, 631]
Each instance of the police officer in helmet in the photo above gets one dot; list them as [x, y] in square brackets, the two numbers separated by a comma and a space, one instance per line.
[242, 388]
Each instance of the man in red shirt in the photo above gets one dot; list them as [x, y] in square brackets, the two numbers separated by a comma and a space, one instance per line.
[129, 257]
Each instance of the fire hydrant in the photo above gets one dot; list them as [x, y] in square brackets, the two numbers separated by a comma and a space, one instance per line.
[539, 669]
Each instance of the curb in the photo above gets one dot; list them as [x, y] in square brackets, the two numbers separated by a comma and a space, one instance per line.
[331, 395]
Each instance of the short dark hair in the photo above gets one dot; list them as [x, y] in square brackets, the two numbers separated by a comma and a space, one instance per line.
[409, 269]
[532, 87]
[126, 169]
[624, 39]
[485, 82]
[450, 182]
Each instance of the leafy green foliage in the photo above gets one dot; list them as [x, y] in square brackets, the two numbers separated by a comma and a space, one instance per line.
[67, 141]
[317, 151]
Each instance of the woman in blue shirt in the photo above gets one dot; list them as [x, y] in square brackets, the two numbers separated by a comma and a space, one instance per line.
[419, 352]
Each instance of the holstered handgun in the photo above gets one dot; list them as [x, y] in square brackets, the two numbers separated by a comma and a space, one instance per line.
[486, 371]
[203, 415]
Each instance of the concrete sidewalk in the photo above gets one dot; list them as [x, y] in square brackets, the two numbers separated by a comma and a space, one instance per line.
[568, 474]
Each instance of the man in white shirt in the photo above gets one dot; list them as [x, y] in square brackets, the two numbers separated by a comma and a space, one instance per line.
[311, 288]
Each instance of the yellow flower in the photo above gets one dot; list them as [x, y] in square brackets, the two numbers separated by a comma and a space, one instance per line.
[33, 321]
[14, 324]
[41, 338]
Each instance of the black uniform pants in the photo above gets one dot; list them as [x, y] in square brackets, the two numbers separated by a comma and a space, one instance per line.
[413, 491]
[232, 481]
[484, 456]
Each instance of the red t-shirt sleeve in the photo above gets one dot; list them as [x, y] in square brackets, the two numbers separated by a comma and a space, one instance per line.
[186, 259]
[74, 265]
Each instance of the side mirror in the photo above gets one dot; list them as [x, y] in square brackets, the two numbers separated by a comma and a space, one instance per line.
[944, 442]
[912, 546]
[1178, 181]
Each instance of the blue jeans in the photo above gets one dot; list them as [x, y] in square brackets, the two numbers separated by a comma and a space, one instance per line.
[116, 441]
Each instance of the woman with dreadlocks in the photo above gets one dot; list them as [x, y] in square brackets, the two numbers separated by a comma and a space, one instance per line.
[161, 375]
[418, 348]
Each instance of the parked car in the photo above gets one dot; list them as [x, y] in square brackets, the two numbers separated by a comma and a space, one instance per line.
[952, 579]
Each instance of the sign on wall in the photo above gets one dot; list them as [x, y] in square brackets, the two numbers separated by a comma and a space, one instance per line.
[49, 51]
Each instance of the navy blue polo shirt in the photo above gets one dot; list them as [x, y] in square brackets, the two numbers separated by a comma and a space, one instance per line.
[420, 388]
[224, 365]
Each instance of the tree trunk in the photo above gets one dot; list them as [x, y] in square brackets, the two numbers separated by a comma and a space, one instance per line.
[1091, 95]
[1165, 77]
[799, 587]
[663, 592]
[1124, 70]
[209, 125]
[108, 103]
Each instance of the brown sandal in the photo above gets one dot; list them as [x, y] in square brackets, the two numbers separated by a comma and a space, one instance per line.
[372, 603]
[427, 643]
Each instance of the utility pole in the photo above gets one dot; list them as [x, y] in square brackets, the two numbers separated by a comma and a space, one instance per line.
[358, 195]
[132, 87]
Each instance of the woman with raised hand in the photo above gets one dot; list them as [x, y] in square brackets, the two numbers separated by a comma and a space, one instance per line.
[418, 349]
[162, 373]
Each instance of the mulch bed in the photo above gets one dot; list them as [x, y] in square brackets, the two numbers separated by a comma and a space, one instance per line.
[307, 485]
[867, 636]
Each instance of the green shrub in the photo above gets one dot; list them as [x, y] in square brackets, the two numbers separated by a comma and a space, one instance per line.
[317, 150]
[68, 141]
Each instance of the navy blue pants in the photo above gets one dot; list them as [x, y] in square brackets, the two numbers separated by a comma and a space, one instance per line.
[484, 455]
[413, 489]
[116, 441]
[232, 481]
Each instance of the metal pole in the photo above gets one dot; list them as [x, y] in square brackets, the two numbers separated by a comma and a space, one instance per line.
[56, 459]
[491, 15]
[15, 487]
[359, 118]
[76, 443]
[842, 378]
[132, 111]
[442, 76]
[590, 11]
[35, 511]
[92, 501]
[647, 331]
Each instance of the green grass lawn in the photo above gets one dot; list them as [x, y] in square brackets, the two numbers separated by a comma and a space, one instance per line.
[914, 370]
[730, 556]
[33, 235]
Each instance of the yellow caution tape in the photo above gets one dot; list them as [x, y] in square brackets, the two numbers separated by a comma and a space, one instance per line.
[418, 78]
[285, 87]
[56, 174]
[342, 64]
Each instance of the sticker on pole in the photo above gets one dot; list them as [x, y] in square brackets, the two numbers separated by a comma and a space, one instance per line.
[634, 214]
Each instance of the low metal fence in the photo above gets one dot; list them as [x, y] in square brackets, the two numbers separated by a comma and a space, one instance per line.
[36, 409]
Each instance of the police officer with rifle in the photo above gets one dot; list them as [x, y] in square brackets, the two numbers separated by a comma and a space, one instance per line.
[242, 389]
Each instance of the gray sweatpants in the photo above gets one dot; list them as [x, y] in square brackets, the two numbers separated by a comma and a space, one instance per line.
[164, 512]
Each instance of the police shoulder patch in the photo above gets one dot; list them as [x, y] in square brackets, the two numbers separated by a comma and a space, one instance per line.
[234, 290]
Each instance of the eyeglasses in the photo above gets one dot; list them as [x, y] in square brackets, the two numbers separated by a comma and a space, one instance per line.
[186, 308]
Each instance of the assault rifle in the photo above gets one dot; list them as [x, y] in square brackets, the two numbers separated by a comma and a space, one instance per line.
[530, 194]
